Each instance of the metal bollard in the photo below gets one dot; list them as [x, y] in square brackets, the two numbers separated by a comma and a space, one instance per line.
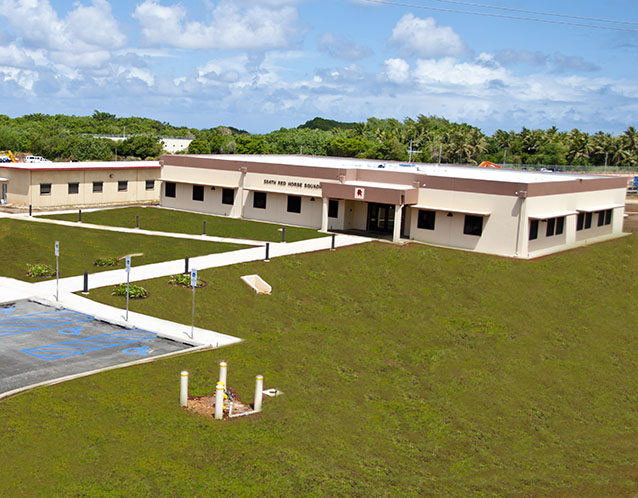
[219, 401]
[332, 246]
[283, 234]
[223, 371]
[259, 388]
[183, 389]
[267, 252]
[30, 210]
[186, 264]
[204, 228]
[137, 221]
[86, 283]
[79, 216]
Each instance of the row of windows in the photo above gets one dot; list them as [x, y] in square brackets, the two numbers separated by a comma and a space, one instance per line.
[472, 225]
[584, 220]
[98, 187]
[260, 199]
[555, 226]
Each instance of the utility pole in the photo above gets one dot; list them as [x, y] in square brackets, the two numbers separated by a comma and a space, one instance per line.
[440, 151]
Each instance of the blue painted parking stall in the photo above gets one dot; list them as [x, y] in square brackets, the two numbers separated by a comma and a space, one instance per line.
[40, 343]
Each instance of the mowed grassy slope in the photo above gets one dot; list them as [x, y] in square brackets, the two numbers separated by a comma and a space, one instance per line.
[25, 242]
[407, 371]
[168, 220]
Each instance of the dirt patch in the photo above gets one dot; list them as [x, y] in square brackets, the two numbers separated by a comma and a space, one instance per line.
[205, 405]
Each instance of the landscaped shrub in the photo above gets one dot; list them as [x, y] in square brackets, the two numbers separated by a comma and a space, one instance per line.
[184, 279]
[40, 270]
[134, 292]
[107, 261]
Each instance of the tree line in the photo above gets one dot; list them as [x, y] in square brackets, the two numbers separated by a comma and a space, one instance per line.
[425, 139]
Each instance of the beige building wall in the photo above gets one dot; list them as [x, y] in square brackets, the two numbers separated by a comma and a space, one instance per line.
[18, 185]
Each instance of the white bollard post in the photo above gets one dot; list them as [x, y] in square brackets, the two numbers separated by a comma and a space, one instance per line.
[219, 401]
[259, 388]
[223, 373]
[183, 389]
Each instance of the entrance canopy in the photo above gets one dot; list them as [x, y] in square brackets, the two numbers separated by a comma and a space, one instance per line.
[382, 193]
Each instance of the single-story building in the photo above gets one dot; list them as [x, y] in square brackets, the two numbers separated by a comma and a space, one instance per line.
[512, 213]
[50, 184]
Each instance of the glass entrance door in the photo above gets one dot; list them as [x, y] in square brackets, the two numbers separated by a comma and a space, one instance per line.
[381, 218]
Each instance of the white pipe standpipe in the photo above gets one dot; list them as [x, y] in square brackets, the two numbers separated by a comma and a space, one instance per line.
[259, 388]
[219, 401]
[223, 373]
[183, 389]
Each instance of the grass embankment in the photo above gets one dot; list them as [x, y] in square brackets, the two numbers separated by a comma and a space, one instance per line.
[408, 371]
[167, 220]
[25, 242]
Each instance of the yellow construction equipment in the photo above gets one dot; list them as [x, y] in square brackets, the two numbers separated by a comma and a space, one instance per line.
[6, 156]
[488, 164]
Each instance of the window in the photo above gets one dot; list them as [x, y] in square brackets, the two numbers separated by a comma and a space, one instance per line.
[333, 208]
[45, 189]
[473, 225]
[608, 216]
[98, 187]
[588, 218]
[228, 196]
[198, 193]
[294, 204]
[533, 230]
[426, 219]
[560, 225]
[74, 188]
[122, 186]
[150, 184]
[169, 189]
[259, 200]
[580, 221]
[551, 227]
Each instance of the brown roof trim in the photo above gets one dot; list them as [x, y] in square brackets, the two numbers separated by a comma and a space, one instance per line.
[406, 178]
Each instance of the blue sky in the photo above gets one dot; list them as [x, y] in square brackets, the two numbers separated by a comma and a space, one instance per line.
[261, 65]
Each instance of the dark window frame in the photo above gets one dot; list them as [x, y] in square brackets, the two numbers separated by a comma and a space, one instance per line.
[198, 193]
[333, 208]
[588, 219]
[294, 204]
[45, 189]
[560, 225]
[608, 216]
[98, 187]
[473, 225]
[260, 200]
[228, 196]
[550, 230]
[580, 221]
[426, 219]
[122, 185]
[170, 189]
[533, 229]
[73, 188]
[149, 185]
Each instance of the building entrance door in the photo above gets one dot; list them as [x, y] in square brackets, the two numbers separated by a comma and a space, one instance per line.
[381, 218]
[3, 197]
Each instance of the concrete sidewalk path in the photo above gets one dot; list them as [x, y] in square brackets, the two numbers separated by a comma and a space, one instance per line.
[139, 231]
[167, 268]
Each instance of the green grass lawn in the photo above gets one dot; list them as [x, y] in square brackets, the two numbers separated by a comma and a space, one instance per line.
[25, 242]
[167, 220]
[407, 371]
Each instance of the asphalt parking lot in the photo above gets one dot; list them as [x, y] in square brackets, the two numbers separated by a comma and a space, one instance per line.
[40, 343]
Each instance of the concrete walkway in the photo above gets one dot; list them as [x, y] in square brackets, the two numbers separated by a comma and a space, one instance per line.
[12, 290]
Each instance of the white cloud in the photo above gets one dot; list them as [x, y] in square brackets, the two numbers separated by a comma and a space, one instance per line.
[15, 56]
[342, 48]
[449, 71]
[231, 27]
[422, 37]
[397, 70]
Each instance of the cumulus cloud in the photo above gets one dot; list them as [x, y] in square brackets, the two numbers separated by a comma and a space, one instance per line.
[397, 70]
[424, 38]
[264, 25]
[342, 48]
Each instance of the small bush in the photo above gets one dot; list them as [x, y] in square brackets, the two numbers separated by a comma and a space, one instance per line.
[40, 270]
[184, 279]
[106, 261]
[134, 292]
